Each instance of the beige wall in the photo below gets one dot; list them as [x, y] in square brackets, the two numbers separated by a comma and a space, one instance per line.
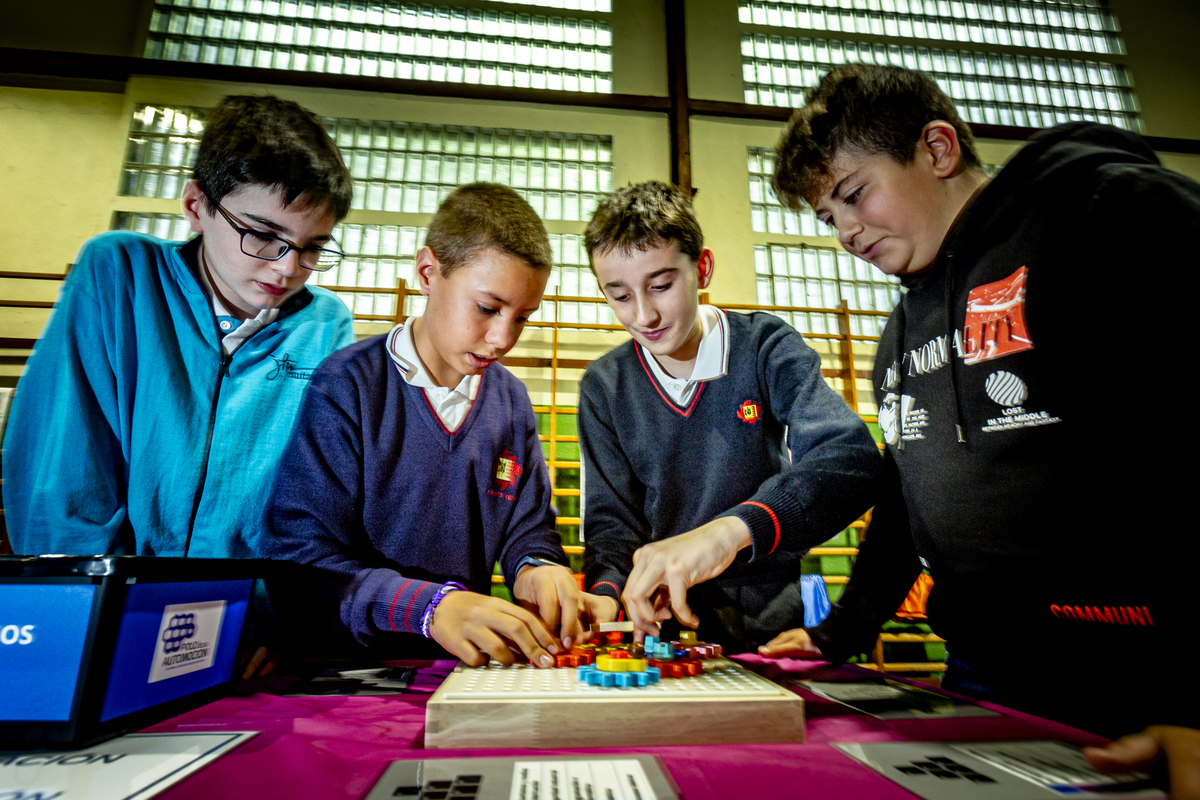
[60, 160]
[1160, 36]
[106, 27]
[714, 56]
[640, 38]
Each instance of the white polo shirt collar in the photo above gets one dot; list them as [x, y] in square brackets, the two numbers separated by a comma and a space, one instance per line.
[712, 358]
[450, 405]
[234, 332]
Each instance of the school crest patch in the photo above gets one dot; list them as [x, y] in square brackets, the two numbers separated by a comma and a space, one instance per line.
[507, 470]
[749, 411]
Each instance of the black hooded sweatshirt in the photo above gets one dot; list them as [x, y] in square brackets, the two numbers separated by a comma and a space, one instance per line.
[1035, 463]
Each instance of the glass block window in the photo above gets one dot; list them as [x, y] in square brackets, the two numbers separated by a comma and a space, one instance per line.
[822, 277]
[572, 277]
[161, 150]
[567, 5]
[411, 167]
[401, 166]
[767, 214]
[172, 227]
[387, 39]
[992, 88]
[1076, 26]
[376, 256]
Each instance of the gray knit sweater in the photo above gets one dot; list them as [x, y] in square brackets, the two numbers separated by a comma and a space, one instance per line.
[654, 469]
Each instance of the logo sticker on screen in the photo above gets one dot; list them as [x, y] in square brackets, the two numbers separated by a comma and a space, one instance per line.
[187, 639]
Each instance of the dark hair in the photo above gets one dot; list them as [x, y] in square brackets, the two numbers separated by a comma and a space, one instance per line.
[482, 215]
[274, 143]
[641, 216]
[878, 110]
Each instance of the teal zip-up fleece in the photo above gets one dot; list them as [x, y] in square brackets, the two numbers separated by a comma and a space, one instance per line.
[132, 432]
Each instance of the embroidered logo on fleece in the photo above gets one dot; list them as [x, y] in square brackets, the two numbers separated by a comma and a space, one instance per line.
[286, 368]
[749, 411]
[995, 323]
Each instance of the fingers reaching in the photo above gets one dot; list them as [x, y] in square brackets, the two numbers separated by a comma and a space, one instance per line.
[259, 657]
[795, 643]
[528, 634]
[548, 609]
[574, 609]
[470, 625]
[679, 606]
[1178, 746]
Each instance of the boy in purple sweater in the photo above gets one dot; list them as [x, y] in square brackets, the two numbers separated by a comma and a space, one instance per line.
[415, 465]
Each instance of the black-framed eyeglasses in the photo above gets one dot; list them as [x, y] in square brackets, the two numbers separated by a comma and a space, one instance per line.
[270, 247]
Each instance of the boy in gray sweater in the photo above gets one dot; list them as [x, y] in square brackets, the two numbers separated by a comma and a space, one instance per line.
[715, 455]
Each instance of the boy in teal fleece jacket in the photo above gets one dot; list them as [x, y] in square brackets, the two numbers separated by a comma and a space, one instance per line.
[153, 413]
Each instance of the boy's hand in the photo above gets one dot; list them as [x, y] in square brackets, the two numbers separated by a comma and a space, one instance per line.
[1179, 747]
[257, 664]
[603, 607]
[677, 564]
[794, 643]
[553, 594]
[474, 626]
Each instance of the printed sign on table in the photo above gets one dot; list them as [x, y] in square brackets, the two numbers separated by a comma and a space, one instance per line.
[134, 767]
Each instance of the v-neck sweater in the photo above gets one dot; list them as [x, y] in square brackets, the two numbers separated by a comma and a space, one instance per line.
[655, 469]
[404, 505]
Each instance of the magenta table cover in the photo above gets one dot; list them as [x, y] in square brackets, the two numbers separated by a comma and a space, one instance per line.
[335, 748]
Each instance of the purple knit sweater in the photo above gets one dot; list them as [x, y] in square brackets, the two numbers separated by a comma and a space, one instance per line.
[374, 486]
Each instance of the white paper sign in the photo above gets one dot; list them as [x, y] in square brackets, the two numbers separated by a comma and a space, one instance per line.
[1024, 770]
[187, 639]
[134, 767]
[602, 779]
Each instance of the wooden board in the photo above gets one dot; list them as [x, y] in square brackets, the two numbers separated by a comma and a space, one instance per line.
[521, 706]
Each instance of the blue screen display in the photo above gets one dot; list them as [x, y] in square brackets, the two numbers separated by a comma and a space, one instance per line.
[174, 639]
[42, 632]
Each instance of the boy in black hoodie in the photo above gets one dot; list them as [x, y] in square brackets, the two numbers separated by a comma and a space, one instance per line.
[1013, 391]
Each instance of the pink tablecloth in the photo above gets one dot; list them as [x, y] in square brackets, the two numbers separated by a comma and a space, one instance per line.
[337, 747]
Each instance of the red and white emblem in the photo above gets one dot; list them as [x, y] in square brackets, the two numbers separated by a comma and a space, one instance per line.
[507, 470]
[749, 411]
[995, 324]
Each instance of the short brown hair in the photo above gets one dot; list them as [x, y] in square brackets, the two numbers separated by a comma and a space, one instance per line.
[877, 110]
[641, 216]
[482, 215]
[275, 143]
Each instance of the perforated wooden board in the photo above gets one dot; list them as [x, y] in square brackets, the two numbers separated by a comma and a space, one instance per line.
[542, 708]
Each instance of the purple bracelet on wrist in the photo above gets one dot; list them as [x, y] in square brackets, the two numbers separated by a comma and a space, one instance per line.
[427, 617]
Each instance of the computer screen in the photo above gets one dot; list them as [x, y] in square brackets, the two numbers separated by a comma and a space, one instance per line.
[43, 628]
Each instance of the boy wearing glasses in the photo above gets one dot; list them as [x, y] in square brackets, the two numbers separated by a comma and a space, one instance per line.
[153, 413]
